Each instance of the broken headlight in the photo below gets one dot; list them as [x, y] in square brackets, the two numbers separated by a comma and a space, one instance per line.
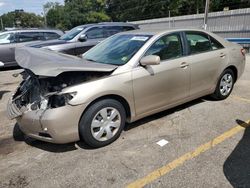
[59, 100]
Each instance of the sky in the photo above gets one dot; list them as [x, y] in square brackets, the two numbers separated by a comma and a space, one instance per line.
[35, 6]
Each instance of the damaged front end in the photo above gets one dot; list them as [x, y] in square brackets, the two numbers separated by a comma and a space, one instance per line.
[43, 103]
[42, 93]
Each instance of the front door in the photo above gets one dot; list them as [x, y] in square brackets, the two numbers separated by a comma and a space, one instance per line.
[160, 85]
[94, 36]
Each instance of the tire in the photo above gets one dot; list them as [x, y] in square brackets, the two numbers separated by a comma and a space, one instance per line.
[222, 92]
[18, 134]
[102, 123]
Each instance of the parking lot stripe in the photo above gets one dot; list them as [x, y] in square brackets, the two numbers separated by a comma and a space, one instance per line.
[190, 155]
[241, 98]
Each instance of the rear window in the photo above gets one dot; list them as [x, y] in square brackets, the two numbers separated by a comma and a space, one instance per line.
[198, 42]
[111, 30]
[50, 35]
[128, 28]
[215, 44]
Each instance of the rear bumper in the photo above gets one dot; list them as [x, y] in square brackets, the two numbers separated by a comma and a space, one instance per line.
[57, 125]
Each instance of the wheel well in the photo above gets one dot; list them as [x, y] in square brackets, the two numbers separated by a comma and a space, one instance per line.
[235, 71]
[115, 97]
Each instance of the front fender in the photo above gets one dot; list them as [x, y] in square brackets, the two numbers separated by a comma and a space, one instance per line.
[120, 85]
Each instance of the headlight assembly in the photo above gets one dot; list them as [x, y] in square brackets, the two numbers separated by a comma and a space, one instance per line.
[59, 100]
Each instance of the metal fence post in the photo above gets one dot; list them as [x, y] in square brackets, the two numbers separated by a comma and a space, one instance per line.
[206, 14]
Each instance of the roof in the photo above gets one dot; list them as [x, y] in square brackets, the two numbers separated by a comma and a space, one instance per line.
[157, 31]
[30, 30]
[108, 24]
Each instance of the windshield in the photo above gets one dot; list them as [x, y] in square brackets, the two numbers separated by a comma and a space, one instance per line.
[117, 50]
[6, 38]
[72, 33]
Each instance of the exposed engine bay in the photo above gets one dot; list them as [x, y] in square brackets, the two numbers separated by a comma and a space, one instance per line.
[39, 92]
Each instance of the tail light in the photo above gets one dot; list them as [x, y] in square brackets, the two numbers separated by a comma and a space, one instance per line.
[243, 52]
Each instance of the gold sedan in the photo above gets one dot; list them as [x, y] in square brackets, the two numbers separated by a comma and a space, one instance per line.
[124, 78]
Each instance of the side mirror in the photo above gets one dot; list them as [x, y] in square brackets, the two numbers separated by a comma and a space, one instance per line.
[150, 60]
[83, 38]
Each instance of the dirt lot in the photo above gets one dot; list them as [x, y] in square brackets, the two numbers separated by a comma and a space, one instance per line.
[201, 152]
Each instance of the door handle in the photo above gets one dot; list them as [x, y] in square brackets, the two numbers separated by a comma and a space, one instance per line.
[222, 55]
[184, 65]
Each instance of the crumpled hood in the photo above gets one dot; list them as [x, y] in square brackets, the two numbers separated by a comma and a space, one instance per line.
[44, 62]
[47, 43]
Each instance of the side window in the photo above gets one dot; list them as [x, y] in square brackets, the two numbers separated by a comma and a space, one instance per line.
[215, 44]
[95, 33]
[7, 38]
[50, 36]
[198, 42]
[128, 28]
[167, 47]
[29, 36]
[111, 30]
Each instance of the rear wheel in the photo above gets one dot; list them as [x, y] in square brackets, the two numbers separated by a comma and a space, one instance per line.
[102, 123]
[225, 85]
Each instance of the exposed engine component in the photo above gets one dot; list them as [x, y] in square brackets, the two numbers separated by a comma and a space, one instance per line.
[36, 92]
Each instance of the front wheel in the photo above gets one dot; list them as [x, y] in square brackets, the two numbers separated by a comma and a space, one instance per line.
[102, 123]
[225, 85]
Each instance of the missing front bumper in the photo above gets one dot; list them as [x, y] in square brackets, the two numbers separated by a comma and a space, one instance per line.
[12, 110]
[60, 123]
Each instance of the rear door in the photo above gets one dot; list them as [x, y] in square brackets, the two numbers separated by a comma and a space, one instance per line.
[206, 56]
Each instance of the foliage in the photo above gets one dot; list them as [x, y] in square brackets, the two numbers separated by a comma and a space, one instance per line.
[77, 12]
[218, 5]
[123, 10]
[55, 15]
[22, 19]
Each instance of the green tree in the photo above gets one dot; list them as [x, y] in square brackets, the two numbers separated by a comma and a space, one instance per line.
[77, 12]
[219, 5]
[55, 15]
[8, 20]
[22, 19]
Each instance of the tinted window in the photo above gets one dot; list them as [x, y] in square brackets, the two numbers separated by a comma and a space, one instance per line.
[127, 28]
[29, 36]
[7, 38]
[198, 42]
[111, 30]
[95, 32]
[50, 35]
[167, 47]
[215, 44]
